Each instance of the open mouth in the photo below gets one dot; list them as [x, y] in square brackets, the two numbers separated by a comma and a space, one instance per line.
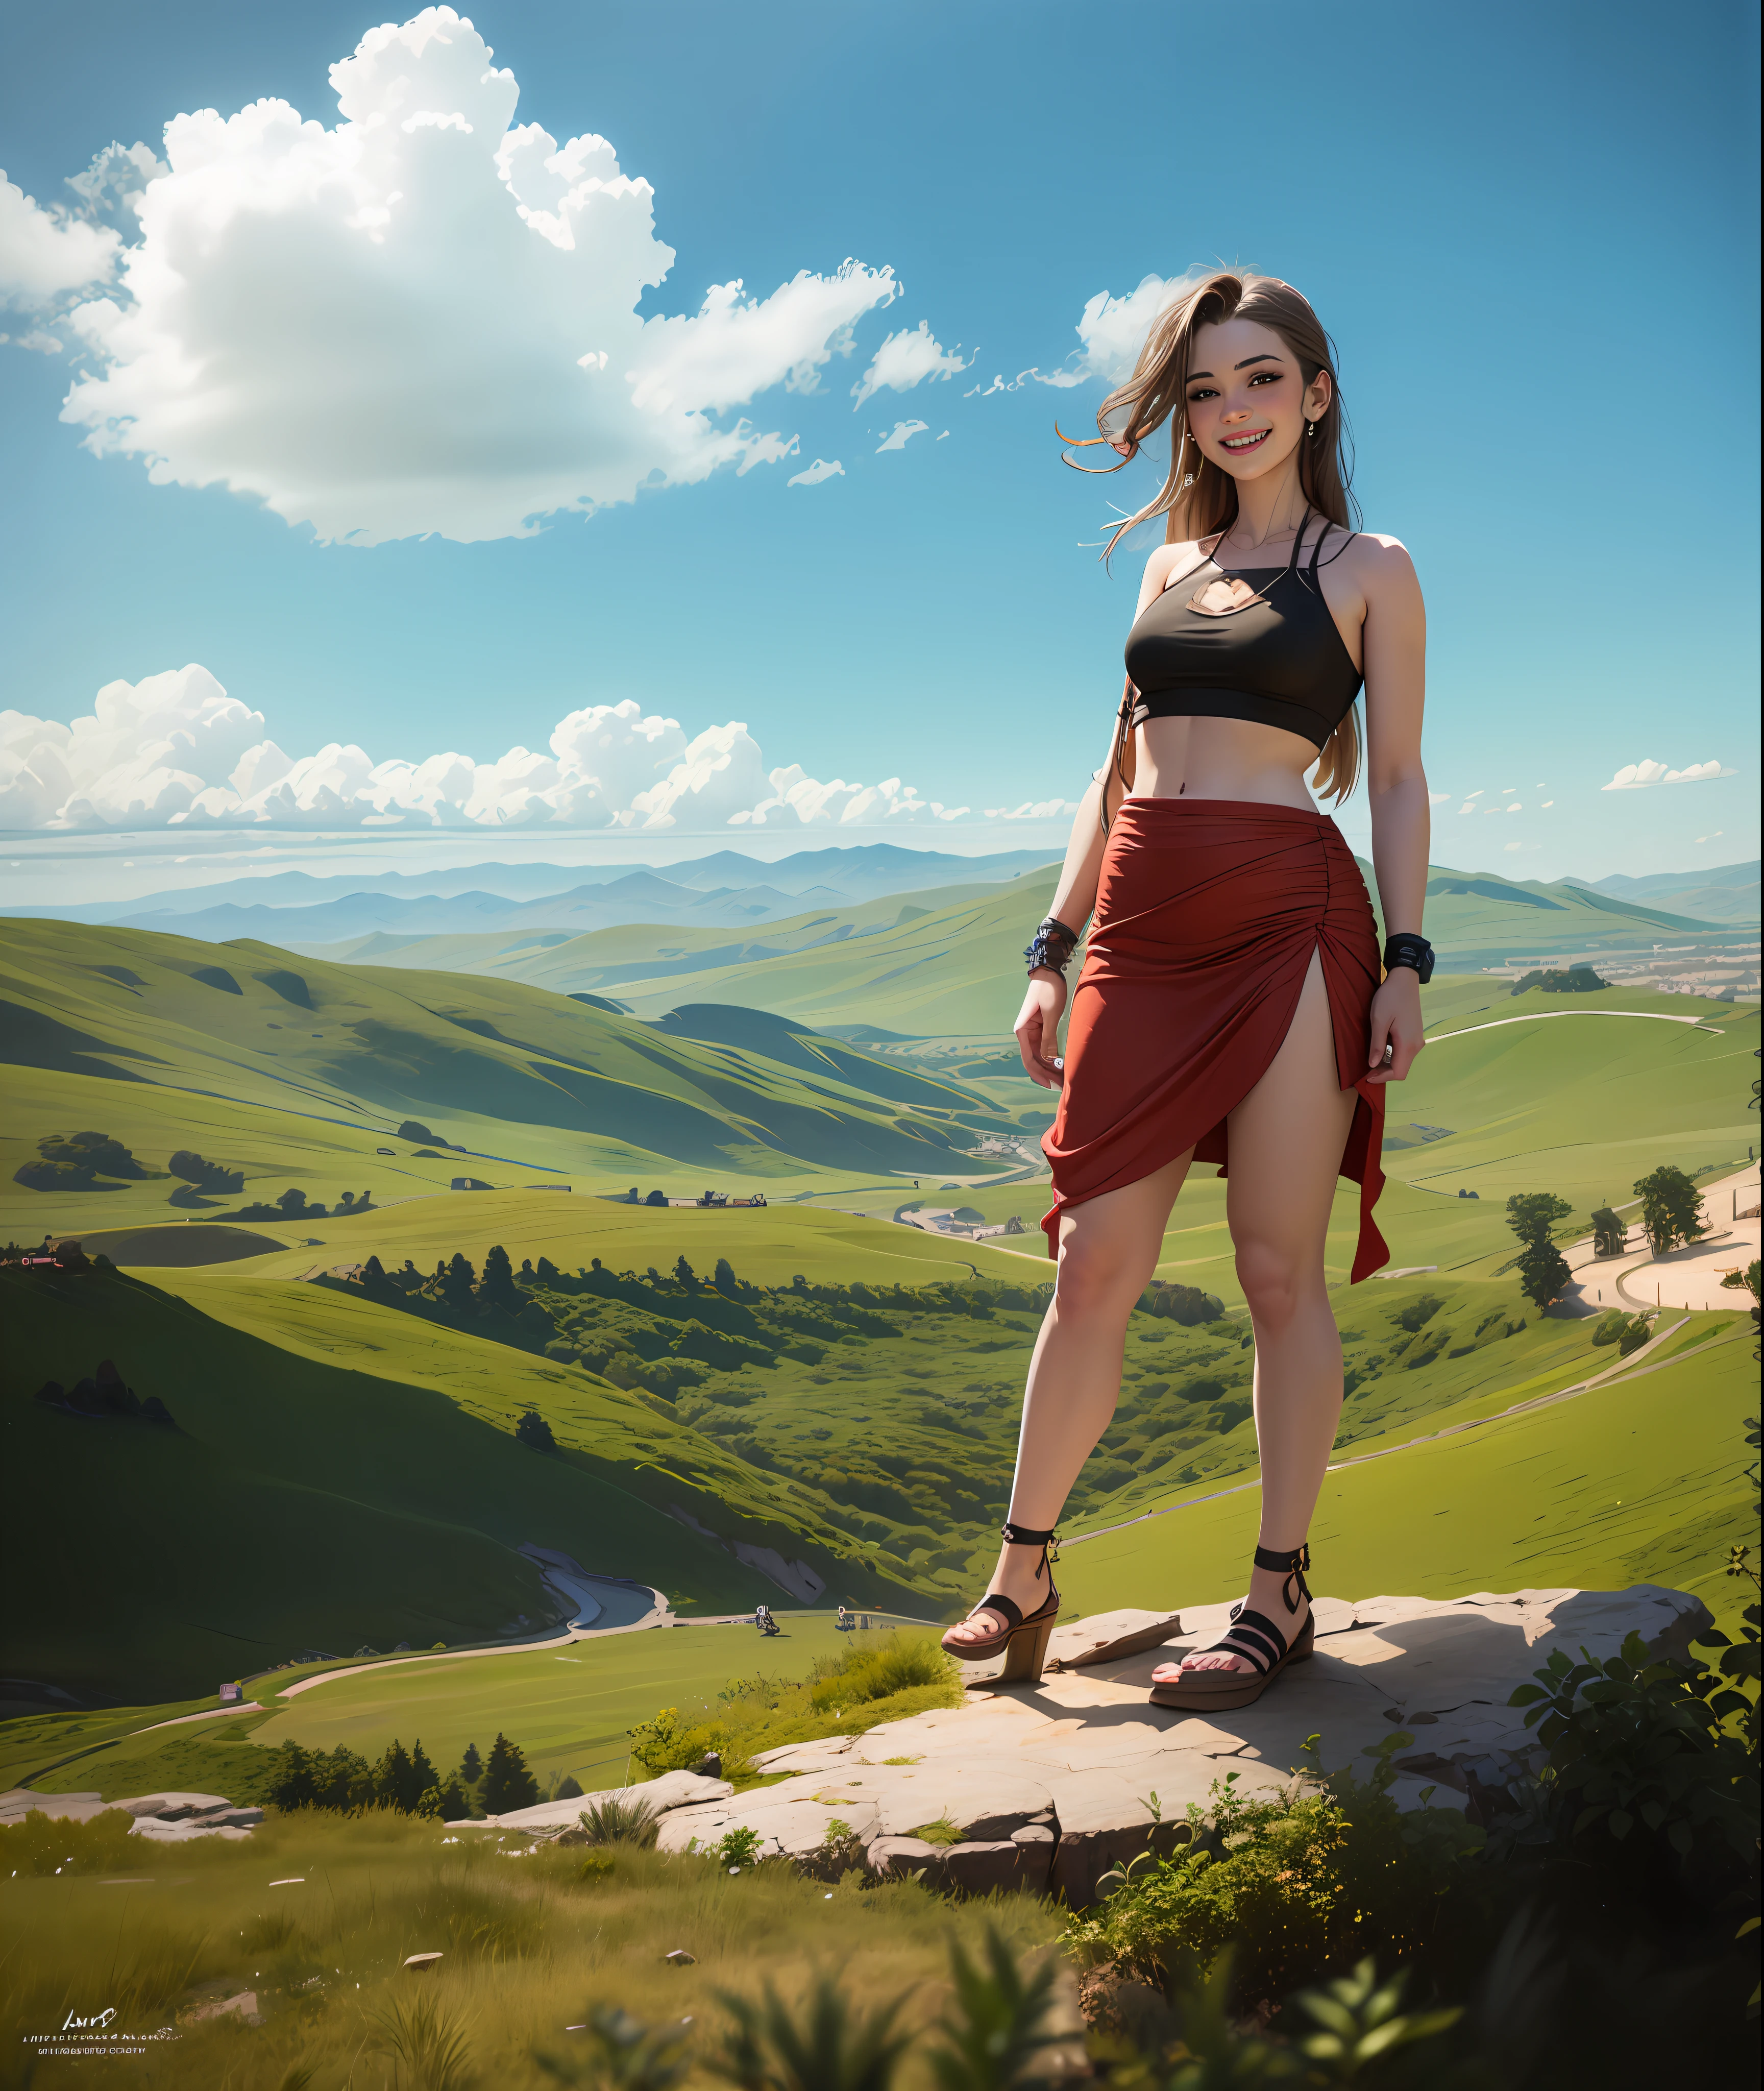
[1238, 444]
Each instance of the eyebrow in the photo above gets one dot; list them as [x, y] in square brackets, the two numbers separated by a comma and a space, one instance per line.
[1265, 358]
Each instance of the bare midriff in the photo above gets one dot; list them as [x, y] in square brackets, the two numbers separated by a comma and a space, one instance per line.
[1222, 758]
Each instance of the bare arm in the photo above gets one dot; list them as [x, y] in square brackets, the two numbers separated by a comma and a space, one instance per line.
[1395, 644]
[1038, 1024]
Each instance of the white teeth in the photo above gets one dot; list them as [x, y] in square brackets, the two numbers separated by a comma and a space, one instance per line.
[1243, 442]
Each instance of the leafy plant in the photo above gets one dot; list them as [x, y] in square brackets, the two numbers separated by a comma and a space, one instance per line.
[996, 2030]
[616, 1819]
[622, 2052]
[1294, 1885]
[1635, 1742]
[740, 1847]
[832, 2046]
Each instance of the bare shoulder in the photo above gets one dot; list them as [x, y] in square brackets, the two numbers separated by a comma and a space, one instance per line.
[1380, 556]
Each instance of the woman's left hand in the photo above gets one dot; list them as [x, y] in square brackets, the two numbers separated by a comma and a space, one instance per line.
[1396, 1026]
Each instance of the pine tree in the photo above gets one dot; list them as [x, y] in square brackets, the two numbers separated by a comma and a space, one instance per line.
[423, 1773]
[507, 1783]
[498, 1283]
[454, 1806]
[291, 1784]
[472, 1765]
[393, 1781]
[686, 1275]
[724, 1279]
[456, 1283]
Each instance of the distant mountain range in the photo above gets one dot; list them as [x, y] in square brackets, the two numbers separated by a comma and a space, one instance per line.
[727, 890]
[1728, 893]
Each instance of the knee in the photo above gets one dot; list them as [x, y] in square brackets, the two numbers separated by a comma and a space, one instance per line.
[1091, 1283]
[1273, 1282]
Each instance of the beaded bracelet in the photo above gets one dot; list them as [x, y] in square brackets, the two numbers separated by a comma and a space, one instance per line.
[1051, 945]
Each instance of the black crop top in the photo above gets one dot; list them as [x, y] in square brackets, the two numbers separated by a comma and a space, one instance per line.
[1279, 660]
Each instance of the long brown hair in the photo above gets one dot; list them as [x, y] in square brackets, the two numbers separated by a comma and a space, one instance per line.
[1197, 496]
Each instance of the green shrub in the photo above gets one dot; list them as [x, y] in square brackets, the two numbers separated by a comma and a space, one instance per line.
[617, 1821]
[1293, 1886]
[859, 1674]
[1661, 1752]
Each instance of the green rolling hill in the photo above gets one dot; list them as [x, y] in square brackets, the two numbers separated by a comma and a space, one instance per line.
[345, 1471]
[517, 1076]
[936, 965]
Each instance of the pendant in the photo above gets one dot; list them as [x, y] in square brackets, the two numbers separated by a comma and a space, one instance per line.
[1221, 597]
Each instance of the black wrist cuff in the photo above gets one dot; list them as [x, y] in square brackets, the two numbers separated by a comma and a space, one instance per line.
[1415, 952]
[1051, 945]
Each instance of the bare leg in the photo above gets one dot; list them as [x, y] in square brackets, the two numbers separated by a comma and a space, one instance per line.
[1286, 1141]
[1108, 1249]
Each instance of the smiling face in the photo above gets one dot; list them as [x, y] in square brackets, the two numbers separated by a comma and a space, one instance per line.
[1248, 401]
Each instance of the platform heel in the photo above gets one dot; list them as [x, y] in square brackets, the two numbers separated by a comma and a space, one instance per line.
[1022, 1640]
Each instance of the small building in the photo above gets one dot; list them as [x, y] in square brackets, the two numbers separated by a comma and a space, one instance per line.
[232, 1695]
[469, 1183]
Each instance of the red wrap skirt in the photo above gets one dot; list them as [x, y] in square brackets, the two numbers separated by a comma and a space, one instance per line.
[1207, 913]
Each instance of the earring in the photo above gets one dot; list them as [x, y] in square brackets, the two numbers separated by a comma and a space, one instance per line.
[1310, 429]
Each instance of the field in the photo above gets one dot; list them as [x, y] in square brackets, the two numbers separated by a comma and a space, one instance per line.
[345, 1471]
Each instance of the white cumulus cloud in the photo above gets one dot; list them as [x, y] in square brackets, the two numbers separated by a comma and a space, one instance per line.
[175, 750]
[900, 435]
[45, 252]
[823, 468]
[904, 359]
[1112, 331]
[1637, 776]
[423, 317]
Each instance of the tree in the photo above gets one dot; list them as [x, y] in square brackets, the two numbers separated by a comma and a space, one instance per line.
[420, 1134]
[507, 1783]
[394, 1784]
[456, 1283]
[724, 1279]
[1609, 1233]
[533, 1429]
[1544, 1275]
[1672, 1208]
[1543, 1272]
[687, 1276]
[291, 1784]
[205, 1175]
[472, 1765]
[454, 1806]
[292, 1202]
[498, 1280]
[422, 1770]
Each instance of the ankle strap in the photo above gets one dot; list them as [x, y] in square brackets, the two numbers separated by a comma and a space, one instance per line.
[1021, 1535]
[1293, 1565]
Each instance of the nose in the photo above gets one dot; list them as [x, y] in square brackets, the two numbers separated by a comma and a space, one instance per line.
[1236, 414]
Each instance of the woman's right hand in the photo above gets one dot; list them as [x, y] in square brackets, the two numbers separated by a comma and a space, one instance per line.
[1038, 1028]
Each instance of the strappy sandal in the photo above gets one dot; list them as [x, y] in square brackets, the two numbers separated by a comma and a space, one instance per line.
[1255, 1637]
[1023, 1642]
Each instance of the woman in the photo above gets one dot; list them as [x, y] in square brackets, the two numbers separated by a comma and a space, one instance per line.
[1230, 1005]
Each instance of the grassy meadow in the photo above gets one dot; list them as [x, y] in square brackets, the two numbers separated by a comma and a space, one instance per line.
[345, 1471]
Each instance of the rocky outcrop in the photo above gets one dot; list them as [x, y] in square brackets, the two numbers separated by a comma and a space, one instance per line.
[165, 1817]
[1050, 1786]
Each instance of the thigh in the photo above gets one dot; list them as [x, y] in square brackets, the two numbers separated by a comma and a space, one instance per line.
[1287, 1136]
[1111, 1242]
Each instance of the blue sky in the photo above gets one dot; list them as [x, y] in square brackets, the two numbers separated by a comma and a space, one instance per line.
[1531, 231]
